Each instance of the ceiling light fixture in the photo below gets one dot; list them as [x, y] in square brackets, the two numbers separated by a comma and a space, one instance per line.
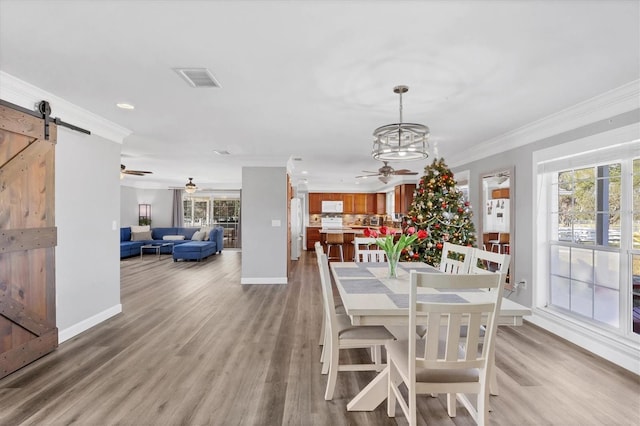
[190, 187]
[400, 141]
[124, 105]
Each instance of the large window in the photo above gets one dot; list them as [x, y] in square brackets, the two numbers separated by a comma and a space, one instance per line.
[593, 238]
[197, 211]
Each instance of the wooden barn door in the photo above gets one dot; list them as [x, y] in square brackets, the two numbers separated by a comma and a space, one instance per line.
[27, 240]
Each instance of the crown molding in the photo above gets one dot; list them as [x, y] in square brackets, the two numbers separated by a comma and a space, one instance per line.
[617, 101]
[26, 95]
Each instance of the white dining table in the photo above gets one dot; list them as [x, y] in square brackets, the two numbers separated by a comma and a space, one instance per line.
[369, 297]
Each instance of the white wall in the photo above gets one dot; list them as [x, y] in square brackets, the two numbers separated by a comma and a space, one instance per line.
[161, 201]
[87, 192]
[264, 246]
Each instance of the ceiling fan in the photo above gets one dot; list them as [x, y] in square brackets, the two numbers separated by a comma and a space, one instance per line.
[385, 173]
[124, 171]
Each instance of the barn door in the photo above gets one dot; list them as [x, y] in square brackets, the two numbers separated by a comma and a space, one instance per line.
[27, 240]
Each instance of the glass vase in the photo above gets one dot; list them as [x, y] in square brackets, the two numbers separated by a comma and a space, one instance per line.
[392, 263]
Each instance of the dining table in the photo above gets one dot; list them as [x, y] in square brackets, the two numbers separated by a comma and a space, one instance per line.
[370, 297]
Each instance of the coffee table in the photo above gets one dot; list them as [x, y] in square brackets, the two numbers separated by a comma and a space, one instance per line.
[155, 247]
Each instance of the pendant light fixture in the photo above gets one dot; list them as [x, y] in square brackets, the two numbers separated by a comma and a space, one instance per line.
[400, 141]
[190, 187]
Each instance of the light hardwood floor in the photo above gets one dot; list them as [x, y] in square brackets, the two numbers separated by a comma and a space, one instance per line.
[194, 347]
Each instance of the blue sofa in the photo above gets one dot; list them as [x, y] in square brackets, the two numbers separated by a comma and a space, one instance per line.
[198, 250]
[130, 248]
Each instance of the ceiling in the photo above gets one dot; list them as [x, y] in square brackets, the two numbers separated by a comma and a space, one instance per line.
[311, 80]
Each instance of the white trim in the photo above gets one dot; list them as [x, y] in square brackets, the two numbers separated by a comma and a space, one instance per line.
[271, 280]
[617, 101]
[620, 352]
[86, 324]
[26, 95]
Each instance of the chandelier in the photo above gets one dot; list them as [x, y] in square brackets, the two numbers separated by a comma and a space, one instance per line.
[400, 141]
[190, 187]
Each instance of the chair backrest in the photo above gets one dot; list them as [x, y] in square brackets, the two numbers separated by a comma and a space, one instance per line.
[455, 258]
[483, 261]
[458, 335]
[360, 244]
[327, 291]
[371, 256]
[334, 237]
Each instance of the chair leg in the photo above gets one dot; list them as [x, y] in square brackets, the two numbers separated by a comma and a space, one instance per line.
[326, 352]
[377, 357]
[333, 373]
[391, 395]
[322, 337]
[451, 404]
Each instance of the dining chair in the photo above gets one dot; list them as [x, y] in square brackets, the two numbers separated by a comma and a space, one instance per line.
[362, 243]
[368, 255]
[445, 360]
[450, 259]
[342, 335]
[323, 331]
[483, 261]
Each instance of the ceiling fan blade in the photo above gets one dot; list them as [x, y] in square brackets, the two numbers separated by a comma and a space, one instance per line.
[404, 172]
[133, 173]
[365, 176]
[373, 173]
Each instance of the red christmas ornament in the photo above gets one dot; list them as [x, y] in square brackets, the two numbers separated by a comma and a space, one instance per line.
[460, 209]
[444, 205]
[439, 246]
[466, 203]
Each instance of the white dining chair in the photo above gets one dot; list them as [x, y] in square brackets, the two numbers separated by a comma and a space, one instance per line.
[342, 335]
[360, 244]
[450, 261]
[445, 360]
[483, 261]
[323, 330]
[367, 255]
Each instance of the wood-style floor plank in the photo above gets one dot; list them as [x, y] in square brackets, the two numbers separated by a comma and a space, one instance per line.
[195, 347]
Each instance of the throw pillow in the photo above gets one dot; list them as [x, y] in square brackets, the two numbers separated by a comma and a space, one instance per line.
[141, 236]
[198, 236]
[142, 228]
[173, 237]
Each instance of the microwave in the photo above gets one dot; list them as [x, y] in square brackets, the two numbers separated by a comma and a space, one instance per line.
[332, 207]
[374, 221]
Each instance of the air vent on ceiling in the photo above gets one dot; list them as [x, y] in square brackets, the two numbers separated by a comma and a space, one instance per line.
[198, 77]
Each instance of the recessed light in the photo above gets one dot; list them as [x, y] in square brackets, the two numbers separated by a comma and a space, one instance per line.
[304, 172]
[125, 105]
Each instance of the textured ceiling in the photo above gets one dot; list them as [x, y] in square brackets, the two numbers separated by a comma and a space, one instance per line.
[313, 79]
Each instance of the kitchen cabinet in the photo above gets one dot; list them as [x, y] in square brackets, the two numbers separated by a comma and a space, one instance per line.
[381, 203]
[313, 235]
[404, 197]
[315, 203]
[362, 203]
[348, 203]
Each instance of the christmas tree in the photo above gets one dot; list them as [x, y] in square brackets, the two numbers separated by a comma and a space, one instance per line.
[440, 209]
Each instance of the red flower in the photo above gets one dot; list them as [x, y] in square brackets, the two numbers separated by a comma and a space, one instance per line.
[422, 234]
[411, 230]
[384, 230]
[370, 233]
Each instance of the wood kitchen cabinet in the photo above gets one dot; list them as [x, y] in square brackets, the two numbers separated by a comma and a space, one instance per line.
[315, 203]
[404, 197]
[348, 203]
[381, 203]
[313, 235]
[361, 203]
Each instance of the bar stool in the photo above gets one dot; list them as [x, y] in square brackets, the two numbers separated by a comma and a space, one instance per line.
[335, 238]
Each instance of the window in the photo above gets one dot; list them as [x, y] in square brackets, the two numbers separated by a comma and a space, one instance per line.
[197, 211]
[591, 202]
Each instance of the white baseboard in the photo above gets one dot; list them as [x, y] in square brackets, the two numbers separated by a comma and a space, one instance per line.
[270, 280]
[86, 324]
